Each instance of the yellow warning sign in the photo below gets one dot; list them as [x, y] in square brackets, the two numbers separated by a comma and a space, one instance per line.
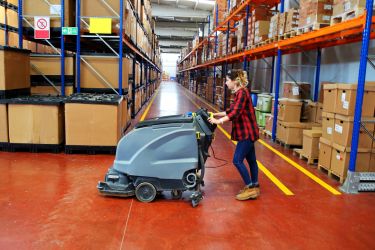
[100, 25]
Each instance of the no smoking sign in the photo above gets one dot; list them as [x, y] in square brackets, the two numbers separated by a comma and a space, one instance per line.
[41, 28]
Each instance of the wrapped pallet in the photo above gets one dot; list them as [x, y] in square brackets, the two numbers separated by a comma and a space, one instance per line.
[315, 13]
[4, 135]
[94, 120]
[36, 120]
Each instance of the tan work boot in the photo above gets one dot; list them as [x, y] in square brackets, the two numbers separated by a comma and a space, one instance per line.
[247, 193]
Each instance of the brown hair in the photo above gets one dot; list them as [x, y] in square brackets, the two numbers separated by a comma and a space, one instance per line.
[238, 75]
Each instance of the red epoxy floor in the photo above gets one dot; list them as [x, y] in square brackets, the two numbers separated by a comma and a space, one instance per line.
[50, 201]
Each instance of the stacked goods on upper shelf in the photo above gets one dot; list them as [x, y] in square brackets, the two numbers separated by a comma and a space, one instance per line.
[314, 14]
[49, 8]
[346, 9]
[259, 25]
[9, 24]
[338, 118]
[219, 11]
[292, 20]
[274, 26]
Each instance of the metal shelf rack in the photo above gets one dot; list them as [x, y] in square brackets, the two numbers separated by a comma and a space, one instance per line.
[118, 45]
[354, 30]
[61, 54]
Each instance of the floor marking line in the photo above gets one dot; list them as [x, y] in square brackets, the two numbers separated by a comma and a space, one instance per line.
[126, 224]
[149, 105]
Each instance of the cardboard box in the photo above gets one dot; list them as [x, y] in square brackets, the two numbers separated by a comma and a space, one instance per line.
[280, 131]
[310, 145]
[41, 123]
[372, 162]
[309, 111]
[328, 125]
[340, 7]
[346, 98]
[14, 69]
[107, 67]
[4, 136]
[293, 132]
[319, 112]
[49, 90]
[342, 134]
[325, 153]
[98, 122]
[298, 91]
[12, 18]
[330, 96]
[2, 37]
[43, 8]
[289, 110]
[14, 2]
[340, 160]
[51, 66]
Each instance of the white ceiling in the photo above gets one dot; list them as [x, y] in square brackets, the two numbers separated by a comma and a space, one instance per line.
[177, 20]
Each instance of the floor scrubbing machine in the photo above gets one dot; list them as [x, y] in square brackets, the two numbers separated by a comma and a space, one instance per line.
[162, 154]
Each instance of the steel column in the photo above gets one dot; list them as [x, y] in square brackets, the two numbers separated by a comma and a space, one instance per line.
[277, 87]
[78, 53]
[317, 74]
[20, 25]
[121, 50]
[62, 44]
[246, 34]
[272, 73]
[361, 87]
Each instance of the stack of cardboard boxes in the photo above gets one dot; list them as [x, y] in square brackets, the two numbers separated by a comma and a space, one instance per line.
[9, 18]
[338, 116]
[289, 126]
[274, 26]
[341, 7]
[219, 11]
[259, 25]
[315, 12]
[292, 20]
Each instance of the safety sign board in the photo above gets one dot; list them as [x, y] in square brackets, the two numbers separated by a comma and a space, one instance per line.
[41, 27]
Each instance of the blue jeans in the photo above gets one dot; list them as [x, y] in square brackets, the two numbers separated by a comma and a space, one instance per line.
[246, 149]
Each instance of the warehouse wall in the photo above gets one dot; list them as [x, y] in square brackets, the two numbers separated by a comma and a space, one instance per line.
[169, 63]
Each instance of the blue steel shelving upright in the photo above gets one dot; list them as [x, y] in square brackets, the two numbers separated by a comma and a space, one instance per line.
[22, 17]
[352, 182]
[133, 52]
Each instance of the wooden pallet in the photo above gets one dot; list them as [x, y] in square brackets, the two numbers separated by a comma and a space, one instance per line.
[331, 174]
[299, 152]
[287, 35]
[347, 15]
[285, 145]
[311, 27]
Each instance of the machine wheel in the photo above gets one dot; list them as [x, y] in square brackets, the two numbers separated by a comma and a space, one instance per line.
[145, 192]
[176, 194]
[195, 202]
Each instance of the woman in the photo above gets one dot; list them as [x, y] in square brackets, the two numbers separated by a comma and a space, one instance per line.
[244, 130]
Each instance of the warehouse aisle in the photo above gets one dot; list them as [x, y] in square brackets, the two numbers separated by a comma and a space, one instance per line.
[50, 201]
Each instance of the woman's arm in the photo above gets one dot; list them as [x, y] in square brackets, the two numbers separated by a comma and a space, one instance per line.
[220, 114]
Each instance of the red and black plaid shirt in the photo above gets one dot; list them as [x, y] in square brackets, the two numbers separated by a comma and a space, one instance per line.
[242, 115]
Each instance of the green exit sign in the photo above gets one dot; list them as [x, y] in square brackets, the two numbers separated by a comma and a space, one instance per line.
[70, 31]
